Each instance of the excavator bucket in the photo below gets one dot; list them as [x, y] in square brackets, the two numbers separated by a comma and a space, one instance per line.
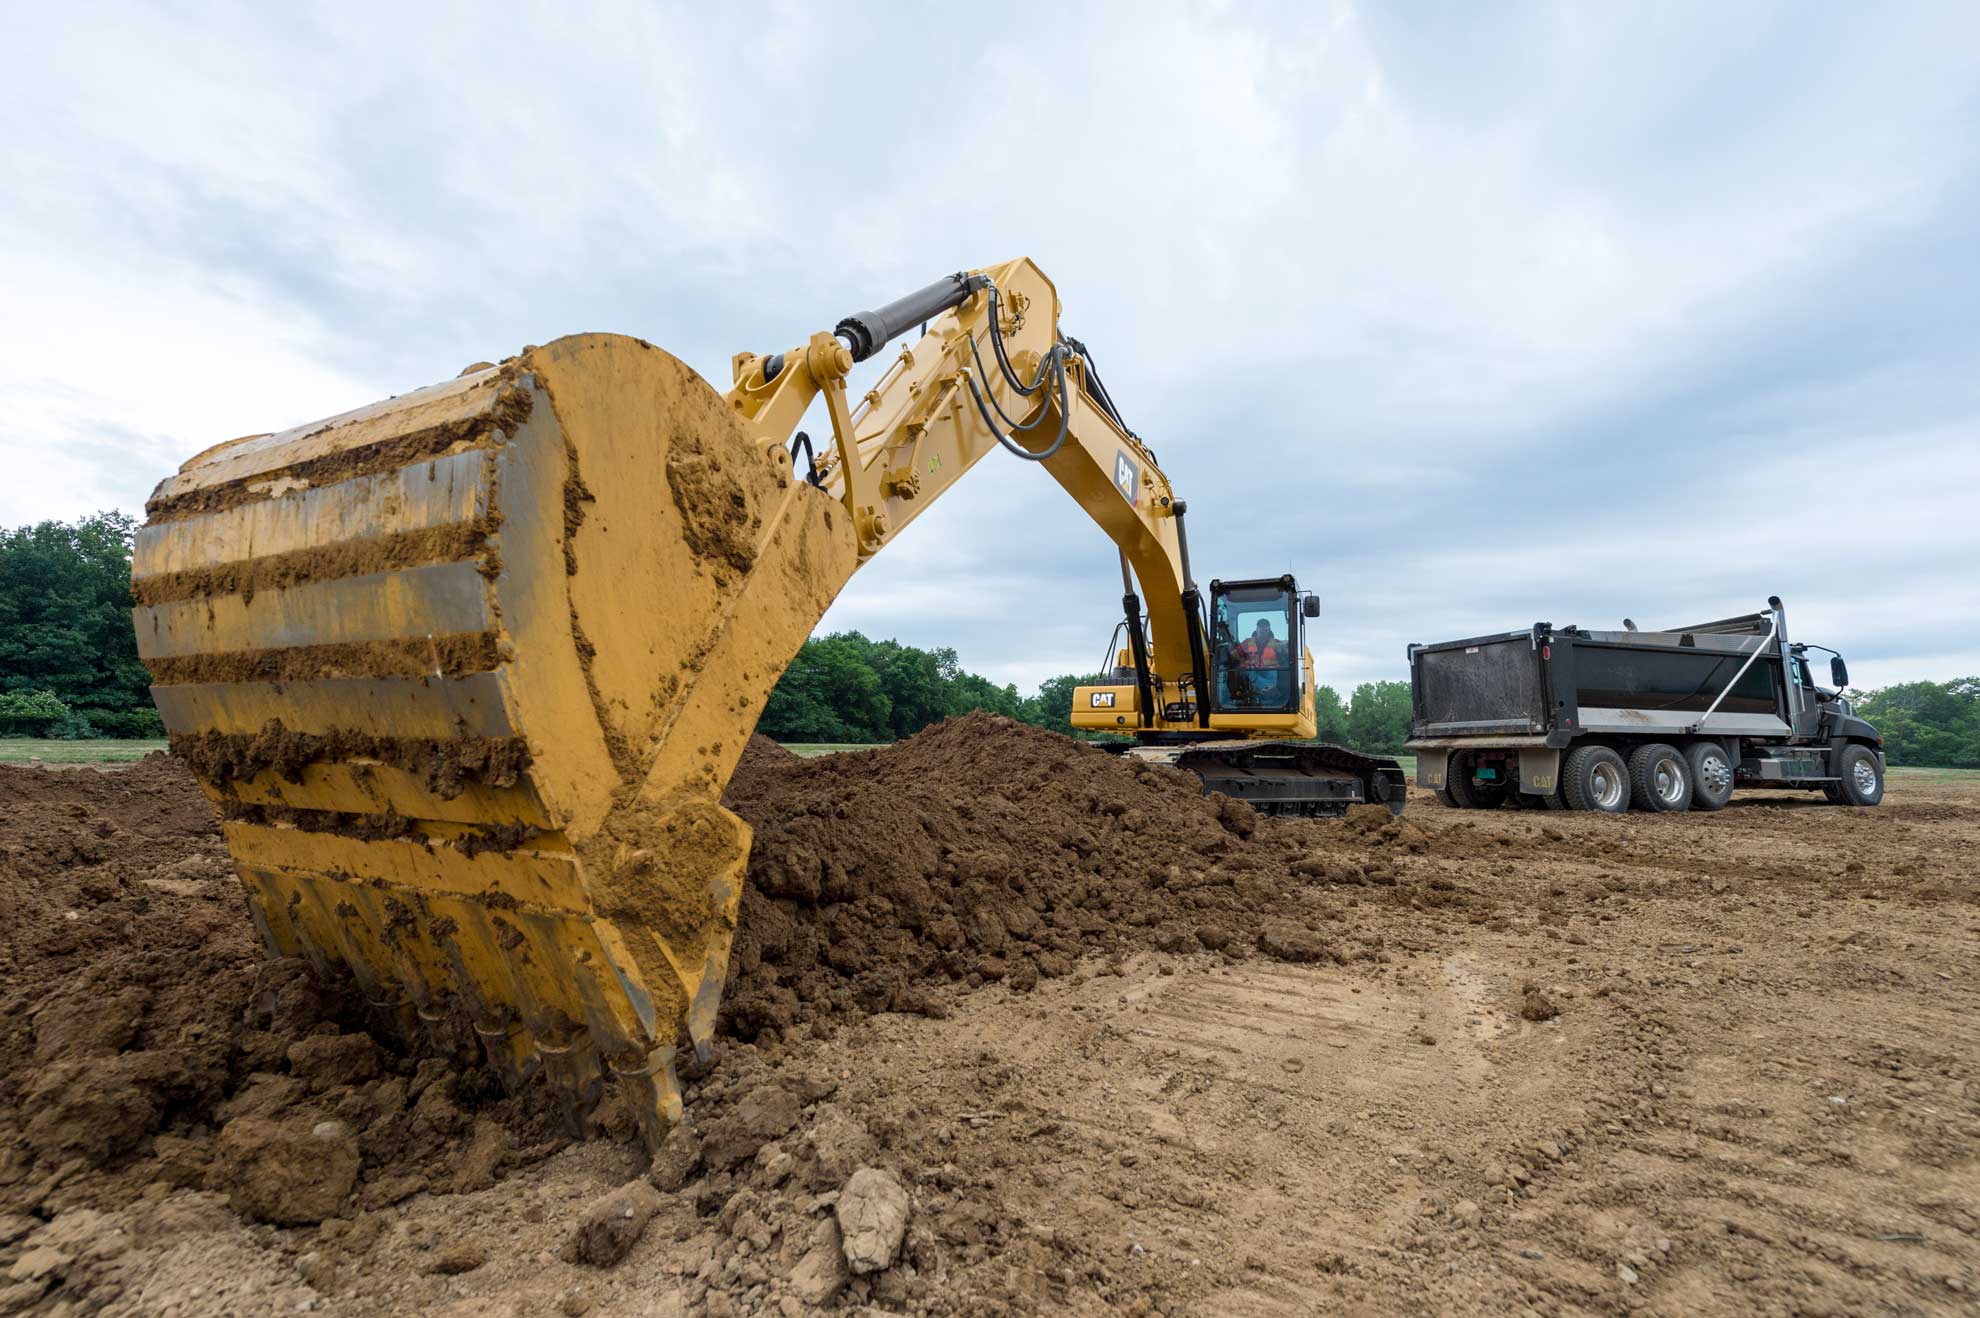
[465, 673]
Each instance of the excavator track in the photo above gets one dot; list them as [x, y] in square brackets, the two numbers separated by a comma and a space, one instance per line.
[465, 672]
[1296, 778]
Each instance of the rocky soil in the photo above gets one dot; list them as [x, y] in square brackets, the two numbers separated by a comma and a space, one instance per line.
[1016, 1027]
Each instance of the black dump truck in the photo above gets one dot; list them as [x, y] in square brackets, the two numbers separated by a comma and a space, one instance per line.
[1674, 719]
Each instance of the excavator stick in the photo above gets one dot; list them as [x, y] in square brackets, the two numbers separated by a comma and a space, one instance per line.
[465, 673]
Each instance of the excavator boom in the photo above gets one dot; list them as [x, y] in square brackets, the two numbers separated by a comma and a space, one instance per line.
[465, 672]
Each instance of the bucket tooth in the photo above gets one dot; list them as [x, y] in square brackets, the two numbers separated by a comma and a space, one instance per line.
[469, 944]
[466, 672]
[511, 1053]
[575, 1077]
[653, 1091]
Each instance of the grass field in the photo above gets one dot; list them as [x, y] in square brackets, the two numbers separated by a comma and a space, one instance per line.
[1901, 774]
[19, 750]
[813, 749]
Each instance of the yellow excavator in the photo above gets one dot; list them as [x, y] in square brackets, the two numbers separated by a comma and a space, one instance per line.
[465, 671]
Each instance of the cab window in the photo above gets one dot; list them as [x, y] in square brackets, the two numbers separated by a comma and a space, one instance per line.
[1254, 649]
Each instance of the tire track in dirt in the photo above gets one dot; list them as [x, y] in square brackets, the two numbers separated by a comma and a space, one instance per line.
[1167, 1119]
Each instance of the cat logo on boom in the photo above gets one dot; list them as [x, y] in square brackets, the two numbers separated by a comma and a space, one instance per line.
[1126, 475]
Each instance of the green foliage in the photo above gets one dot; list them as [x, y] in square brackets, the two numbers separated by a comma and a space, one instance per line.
[1052, 706]
[847, 688]
[1926, 724]
[1332, 716]
[829, 693]
[65, 626]
[1378, 718]
[34, 714]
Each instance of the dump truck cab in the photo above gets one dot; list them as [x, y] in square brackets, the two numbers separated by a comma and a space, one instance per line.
[1825, 713]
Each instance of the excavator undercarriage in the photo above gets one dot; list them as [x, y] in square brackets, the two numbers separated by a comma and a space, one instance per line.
[1296, 778]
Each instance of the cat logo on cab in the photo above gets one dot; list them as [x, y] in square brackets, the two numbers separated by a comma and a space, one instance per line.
[1101, 700]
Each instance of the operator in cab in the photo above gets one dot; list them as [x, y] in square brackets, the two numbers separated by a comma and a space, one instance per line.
[1260, 649]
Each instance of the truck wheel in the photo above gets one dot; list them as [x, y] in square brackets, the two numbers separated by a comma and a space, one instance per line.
[1595, 778]
[1445, 799]
[1659, 778]
[1711, 775]
[1466, 794]
[1862, 777]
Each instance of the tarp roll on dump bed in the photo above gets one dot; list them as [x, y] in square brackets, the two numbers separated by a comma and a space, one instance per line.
[465, 673]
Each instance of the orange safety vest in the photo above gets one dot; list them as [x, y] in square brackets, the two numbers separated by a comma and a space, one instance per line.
[1259, 656]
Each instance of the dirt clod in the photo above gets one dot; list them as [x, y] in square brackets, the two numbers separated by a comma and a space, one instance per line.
[763, 1115]
[287, 1173]
[822, 1273]
[457, 1259]
[872, 1213]
[675, 1161]
[614, 1224]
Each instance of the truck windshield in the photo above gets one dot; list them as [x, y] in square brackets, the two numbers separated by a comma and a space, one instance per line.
[1253, 643]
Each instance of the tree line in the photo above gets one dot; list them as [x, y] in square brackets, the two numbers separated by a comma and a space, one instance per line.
[847, 688]
[850, 689]
[69, 668]
[68, 657]
[1929, 724]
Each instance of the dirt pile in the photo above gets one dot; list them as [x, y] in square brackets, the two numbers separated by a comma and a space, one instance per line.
[1464, 1062]
[983, 850]
[145, 1041]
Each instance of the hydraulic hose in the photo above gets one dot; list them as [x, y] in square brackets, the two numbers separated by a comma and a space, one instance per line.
[998, 407]
[997, 346]
[1058, 364]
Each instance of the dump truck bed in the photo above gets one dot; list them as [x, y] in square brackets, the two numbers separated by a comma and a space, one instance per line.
[1546, 686]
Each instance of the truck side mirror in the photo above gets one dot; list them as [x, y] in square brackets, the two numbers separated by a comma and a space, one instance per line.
[1311, 606]
[1838, 672]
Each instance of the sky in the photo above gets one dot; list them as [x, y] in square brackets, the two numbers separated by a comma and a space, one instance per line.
[1467, 315]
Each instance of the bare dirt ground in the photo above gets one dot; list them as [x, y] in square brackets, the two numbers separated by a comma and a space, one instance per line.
[1134, 1053]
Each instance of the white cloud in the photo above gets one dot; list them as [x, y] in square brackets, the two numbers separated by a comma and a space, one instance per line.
[1447, 317]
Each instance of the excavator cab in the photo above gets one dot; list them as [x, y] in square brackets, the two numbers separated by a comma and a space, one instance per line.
[1254, 739]
[1255, 646]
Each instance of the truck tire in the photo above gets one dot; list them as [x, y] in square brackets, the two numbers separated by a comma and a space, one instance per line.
[1595, 778]
[1862, 778]
[1711, 775]
[1445, 799]
[1466, 794]
[1659, 778]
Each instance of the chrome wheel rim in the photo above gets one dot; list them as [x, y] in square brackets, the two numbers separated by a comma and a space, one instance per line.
[1608, 785]
[1668, 779]
[1714, 773]
[1865, 775]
